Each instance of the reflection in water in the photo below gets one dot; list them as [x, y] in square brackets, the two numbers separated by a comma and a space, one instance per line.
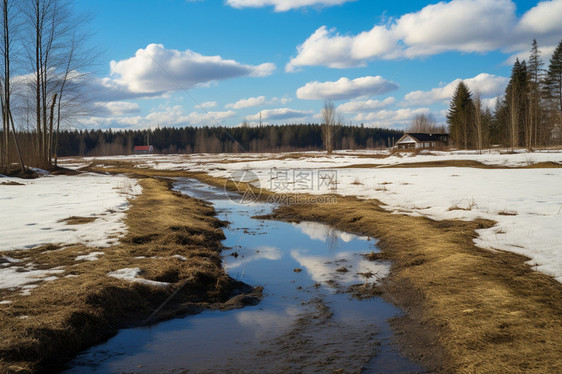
[264, 323]
[345, 268]
[264, 253]
[326, 233]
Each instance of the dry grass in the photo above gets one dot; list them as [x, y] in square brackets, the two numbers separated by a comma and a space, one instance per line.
[75, 220]
[475, 311]
[43, 330]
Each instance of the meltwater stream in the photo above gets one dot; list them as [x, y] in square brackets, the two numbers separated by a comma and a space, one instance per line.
[305, 323]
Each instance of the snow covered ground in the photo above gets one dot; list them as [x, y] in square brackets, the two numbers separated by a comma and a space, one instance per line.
[525, 203]
[33, 212]
[36, 212]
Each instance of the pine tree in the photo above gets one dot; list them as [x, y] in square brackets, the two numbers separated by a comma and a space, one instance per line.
[553, 87]
[459, 116]
[515, 99]
[535, 75]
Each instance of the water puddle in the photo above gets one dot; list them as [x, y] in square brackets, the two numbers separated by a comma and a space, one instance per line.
[305, 323]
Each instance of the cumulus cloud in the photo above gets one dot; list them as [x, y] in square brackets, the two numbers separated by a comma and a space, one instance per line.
[208, 104]
[283, 5]
[390, 118]
[116, 108]
[345, 88]
[156, 69]
[280, 114]
[357, 106]
[458, 25]
[257, 101]
[169, 116]
[247, 103]
[487, 85]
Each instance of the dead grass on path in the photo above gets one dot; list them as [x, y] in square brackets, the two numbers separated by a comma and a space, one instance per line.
[468, 310]
[171, 238]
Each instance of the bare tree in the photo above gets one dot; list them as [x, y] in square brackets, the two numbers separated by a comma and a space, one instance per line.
[7, 35]
[52, 53]
[514, 109]
[478, 120]
[426, 124]
[328, 123]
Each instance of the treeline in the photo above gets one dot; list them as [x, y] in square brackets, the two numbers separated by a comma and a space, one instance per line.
[528, 115]
[297, 137]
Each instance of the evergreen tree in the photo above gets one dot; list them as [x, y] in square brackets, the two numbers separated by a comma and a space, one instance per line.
[535, 75]
[516, 102]
[460, 115]
[553, 88]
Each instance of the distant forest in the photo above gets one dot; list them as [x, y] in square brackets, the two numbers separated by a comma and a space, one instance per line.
[298, 137]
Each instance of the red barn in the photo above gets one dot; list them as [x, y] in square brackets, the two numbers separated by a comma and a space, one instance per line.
[143, 149]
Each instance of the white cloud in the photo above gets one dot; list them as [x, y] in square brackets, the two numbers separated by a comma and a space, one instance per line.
[544, 18]
[208, 104]
[458, 25]
[169, 116]
[116, 108]
[344, 88]
[486, 84]
[365, 105]
[280, 114]
[283, 5]
[257, 101]
[156, 69]
[247, 103]
[390, 118]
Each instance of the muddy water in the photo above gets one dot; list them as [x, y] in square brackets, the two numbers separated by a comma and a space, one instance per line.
[306, 322]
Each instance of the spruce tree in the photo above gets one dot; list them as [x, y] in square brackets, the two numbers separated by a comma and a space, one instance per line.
[553, 81]
[459, 116]
[516, 102]
[535, 75]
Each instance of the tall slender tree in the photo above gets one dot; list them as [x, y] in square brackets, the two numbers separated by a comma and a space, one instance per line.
[553, 89]
[516, 102]
[535, 79]
[460, 115]
[7, 32]
[328, 123]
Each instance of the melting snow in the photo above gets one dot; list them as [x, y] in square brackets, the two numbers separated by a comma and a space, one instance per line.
[32, 214]
[132, 275]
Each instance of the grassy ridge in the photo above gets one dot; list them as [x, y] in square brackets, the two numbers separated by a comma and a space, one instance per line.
[171, 238]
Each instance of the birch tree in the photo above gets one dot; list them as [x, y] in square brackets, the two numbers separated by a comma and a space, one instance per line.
[328, 123]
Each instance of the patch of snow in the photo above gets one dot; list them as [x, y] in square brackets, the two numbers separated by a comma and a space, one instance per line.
[5, 302]
[33, 214]
[132, 275]
[19, 277]
[182, 258]
[94, 256]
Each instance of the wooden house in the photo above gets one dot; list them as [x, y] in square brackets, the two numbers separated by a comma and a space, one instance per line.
[416, 140]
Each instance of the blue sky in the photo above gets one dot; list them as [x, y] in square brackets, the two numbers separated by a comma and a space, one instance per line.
[381, 62]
